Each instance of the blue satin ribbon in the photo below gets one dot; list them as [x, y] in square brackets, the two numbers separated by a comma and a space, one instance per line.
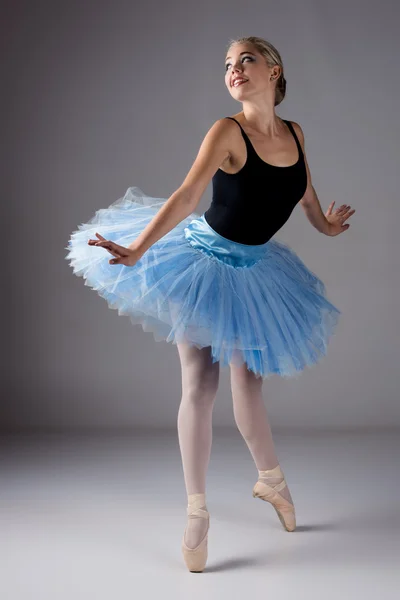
[201, 236]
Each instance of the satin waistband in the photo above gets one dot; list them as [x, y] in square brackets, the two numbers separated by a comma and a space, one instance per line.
[201, 236]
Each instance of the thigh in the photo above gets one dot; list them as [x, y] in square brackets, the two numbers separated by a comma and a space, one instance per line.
[242, 376]
[198, 368]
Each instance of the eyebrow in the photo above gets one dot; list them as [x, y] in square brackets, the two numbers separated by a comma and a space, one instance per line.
[240, 54]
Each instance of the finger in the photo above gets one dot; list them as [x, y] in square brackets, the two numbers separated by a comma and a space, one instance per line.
[109, 248]
[112, 246]
[92, 242]
[101, 239]
[330, 207]
[114, 249]
[348, 215]
[350, 212]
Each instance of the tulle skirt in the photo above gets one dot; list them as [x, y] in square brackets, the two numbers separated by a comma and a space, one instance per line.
[253, 304]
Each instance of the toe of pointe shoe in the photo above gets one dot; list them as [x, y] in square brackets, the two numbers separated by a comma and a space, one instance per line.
[195, 558]
[287, 518]
[284, 509]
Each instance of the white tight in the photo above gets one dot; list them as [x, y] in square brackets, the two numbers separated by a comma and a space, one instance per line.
[200, 378]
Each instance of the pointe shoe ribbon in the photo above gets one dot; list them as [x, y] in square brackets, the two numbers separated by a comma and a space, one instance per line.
[270, 493]
[196, 558]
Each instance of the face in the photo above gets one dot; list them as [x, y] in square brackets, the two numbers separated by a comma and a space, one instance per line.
[243, 61]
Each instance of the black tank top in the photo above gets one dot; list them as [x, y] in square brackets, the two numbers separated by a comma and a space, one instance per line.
[250, 206]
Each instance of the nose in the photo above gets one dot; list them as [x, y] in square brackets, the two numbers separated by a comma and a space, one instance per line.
[237, 67]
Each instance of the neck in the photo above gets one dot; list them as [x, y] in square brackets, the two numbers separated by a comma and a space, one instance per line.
[262, 118]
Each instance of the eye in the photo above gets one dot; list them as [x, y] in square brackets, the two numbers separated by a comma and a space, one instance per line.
[243, 58]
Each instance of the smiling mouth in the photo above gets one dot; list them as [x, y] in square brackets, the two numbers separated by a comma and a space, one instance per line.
[239, 83]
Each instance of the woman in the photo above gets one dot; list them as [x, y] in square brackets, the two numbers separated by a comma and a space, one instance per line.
[217, 285]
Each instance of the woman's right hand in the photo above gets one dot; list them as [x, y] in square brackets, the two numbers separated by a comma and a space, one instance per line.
[123, 256]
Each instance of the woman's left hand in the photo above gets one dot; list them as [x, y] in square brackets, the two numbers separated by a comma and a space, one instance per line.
[124, 256]
[337, 218]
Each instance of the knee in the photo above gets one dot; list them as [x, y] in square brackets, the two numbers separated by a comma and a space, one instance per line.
[201, 389]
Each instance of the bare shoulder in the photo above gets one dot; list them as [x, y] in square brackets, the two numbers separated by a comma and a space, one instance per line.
[223, 127]
[299, 132]
[213, 152]
[223, 133]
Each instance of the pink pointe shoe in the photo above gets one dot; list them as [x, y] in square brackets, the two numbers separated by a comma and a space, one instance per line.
[265, 490]
[196, 558]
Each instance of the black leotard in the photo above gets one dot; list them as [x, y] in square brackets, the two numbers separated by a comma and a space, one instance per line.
[250, 206]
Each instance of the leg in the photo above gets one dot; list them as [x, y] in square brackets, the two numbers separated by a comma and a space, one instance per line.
[252, 420]
[200, 378]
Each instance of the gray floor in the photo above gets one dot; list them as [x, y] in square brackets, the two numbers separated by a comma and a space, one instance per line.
[102, 516]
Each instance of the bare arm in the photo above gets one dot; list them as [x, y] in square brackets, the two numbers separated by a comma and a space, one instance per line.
[309, 201]
[212, 153]
[330, 223]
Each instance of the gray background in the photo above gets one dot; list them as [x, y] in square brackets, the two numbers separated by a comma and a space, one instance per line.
[100, 96]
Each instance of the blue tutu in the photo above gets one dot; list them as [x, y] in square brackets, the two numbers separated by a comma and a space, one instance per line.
[253, 304]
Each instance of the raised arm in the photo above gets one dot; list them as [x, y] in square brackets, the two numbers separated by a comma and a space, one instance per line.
[213, 151]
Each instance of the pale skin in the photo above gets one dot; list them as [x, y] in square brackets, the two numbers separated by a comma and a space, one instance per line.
[223, 147]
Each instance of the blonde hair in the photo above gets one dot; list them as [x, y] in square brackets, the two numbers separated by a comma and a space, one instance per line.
[272, 58]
